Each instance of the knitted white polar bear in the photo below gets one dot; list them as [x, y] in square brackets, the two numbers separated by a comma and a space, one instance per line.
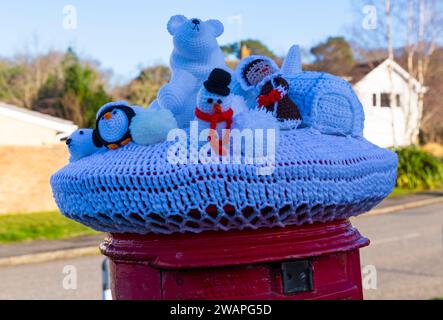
[196, 53]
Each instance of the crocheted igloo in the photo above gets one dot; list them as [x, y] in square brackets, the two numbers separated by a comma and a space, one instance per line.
[327, 103]
[316, 178]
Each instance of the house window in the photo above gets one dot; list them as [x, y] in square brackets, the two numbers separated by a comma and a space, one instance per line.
[398, 100]
[385, 100]
[374, 99]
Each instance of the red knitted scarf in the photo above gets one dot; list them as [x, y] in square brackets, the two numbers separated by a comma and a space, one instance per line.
[214, 118]
[265, 100]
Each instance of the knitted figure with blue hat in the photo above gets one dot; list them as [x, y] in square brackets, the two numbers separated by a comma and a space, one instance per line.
[262, 74]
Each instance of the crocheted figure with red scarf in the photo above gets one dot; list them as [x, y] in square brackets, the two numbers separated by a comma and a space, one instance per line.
[214, 111]
[262, 73]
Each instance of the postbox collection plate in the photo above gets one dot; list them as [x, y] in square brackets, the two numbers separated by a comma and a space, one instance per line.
[297, 276]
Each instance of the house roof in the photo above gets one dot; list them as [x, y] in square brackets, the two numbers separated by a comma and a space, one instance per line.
[360, 71]
[37, 118]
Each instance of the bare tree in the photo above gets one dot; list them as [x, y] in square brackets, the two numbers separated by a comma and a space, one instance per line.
[410, 48]
[419, 23]
[369, 40]
[34, 72]
[390, 49]
[430, 31]
[381, 35]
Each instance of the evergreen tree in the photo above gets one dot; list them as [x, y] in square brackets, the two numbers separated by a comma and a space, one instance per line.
[83, 92]
[334, 56]
[256, 47]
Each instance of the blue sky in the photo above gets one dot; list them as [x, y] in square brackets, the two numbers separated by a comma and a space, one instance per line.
[125, 35]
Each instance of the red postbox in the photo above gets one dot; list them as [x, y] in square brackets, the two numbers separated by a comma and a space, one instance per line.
[295, 198]
[318, 261]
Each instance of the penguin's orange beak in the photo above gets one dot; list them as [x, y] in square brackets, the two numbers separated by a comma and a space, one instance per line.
[107, 115]
[217, 108]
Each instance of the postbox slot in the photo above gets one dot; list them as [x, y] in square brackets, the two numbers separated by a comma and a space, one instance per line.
[297, 276]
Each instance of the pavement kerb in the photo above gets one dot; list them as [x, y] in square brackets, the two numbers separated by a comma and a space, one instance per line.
[94, 250]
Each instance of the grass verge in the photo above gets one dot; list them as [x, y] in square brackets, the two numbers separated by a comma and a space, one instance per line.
[400, 192]
[40, 225]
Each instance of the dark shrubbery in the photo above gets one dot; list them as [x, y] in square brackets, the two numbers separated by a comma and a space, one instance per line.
[418, 169]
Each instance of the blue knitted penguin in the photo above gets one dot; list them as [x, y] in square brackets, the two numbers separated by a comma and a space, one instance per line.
[112, 124]
[118, 123]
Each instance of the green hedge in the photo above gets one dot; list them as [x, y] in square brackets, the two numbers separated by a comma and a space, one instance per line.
[418, 169]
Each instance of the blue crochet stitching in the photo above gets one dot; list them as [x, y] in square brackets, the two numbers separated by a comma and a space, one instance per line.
[317, 178]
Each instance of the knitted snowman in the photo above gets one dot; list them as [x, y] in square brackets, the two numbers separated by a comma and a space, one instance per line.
[262, 74]
[214, 109]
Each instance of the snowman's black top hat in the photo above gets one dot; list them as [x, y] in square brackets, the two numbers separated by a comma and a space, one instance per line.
[218, 82]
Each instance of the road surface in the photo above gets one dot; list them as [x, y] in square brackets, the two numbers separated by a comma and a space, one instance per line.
[406, 251]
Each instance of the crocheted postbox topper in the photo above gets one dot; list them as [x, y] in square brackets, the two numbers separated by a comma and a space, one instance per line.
[135, 188]
[322, 170]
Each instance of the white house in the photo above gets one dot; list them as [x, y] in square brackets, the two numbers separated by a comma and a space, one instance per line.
[388, 123]
[19, 126]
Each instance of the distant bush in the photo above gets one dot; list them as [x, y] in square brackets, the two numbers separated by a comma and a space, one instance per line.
[418, 169]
